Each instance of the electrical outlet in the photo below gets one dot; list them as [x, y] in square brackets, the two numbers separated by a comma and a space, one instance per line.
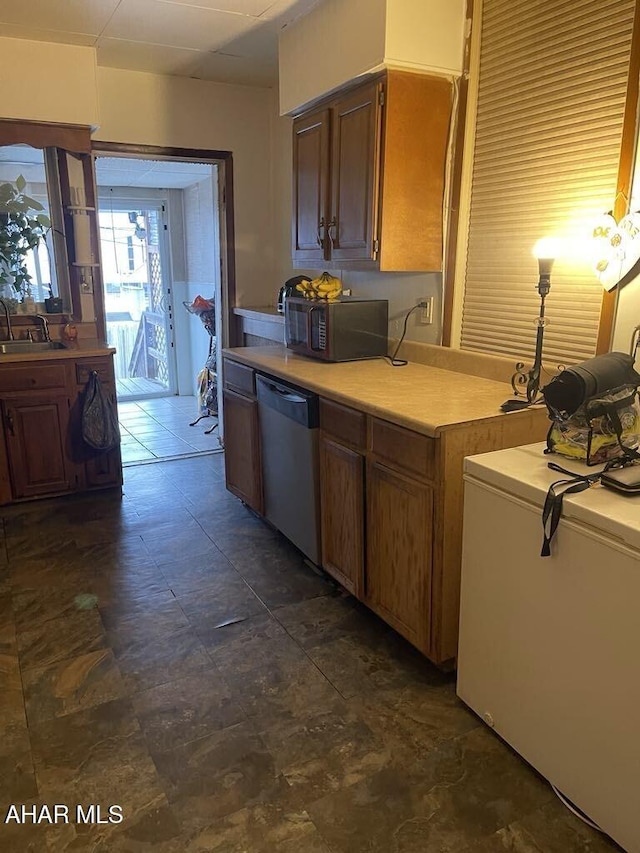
[426, 311]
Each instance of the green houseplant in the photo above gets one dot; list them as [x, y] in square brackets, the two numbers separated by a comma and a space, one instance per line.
[22, 227]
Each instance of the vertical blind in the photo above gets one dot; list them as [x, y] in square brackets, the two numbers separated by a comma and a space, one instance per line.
[551, 92]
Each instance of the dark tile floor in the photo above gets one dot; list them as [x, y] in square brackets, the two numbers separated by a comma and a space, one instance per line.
[169, 654]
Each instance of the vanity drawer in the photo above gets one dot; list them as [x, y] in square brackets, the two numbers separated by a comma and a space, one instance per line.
[102, 366]
[404, 449]
[33, 377]
[343, 423]
[238, 377]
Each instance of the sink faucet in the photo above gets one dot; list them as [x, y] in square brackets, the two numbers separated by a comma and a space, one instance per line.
[6, 314]
[45, 327]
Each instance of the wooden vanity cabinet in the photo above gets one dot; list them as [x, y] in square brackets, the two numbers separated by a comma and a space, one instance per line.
[43, 453]
[242, 460]
[368, 175]
[98, 469]
[35, 428]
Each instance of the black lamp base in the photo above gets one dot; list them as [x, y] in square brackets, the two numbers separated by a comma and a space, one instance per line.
[515, 405]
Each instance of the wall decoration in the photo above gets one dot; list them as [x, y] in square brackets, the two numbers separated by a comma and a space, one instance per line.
[616, 249]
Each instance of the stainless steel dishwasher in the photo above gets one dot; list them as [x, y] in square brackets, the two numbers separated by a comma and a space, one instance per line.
[290, 477]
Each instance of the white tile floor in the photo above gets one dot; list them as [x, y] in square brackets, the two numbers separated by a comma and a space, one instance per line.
[159, 429]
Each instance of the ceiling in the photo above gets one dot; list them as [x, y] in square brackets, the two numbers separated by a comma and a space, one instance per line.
[158, 174]
[110, 171]
[229, 41]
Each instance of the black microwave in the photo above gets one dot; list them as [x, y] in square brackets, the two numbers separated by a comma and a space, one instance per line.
[342, 330]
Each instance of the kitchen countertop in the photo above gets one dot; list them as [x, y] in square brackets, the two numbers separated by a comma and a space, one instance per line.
[56, 354]
[425, 399]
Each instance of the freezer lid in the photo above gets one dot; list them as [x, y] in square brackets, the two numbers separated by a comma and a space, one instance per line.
[523, 473]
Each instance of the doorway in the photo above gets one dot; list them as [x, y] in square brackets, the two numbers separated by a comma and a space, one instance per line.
[137, 295]
[162, 225]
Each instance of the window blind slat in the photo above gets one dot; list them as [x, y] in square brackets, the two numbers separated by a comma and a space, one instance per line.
[551, 91]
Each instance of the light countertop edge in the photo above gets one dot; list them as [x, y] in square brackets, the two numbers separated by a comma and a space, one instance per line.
[422, 398]
[88, 351]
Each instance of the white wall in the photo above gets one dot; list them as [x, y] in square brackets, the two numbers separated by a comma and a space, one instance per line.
[335, 42]
[339, 40]
[628, 299]
[42, 81]
[202, 257]
[151, 109]
[627, 317]
[425, 35]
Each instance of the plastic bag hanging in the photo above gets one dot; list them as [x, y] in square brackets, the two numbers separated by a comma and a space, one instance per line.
[100, 428]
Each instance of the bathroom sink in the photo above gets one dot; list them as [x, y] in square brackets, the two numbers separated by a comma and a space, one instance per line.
[13, 347]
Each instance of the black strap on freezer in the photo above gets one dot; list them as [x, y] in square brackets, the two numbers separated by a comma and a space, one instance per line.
[553, 502]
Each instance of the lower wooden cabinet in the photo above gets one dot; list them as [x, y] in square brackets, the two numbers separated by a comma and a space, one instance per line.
[35, 430]
[377, 516]
[342, 498]
[391, 504]
[103, 469]
[243, 473]
[399, 551]
[43, 452]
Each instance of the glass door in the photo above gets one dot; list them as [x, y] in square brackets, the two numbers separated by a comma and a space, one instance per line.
[138, 307]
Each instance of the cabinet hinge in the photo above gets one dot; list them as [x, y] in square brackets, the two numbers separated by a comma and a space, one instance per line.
[376, 246]
[381, 97]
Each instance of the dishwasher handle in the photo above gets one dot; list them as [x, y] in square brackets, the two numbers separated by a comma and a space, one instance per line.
[284, 393]
[295, 403]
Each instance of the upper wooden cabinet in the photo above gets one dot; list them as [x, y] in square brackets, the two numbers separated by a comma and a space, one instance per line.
[368, 176]
[310, 187]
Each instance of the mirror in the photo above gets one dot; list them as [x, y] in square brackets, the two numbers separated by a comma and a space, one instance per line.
[33, 264]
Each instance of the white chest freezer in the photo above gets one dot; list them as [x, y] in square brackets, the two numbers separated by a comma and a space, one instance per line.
[549, 650]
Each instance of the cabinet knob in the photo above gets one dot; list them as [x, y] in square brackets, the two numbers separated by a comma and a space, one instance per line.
[321, 224]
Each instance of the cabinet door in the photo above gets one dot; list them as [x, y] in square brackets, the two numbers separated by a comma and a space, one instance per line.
[243, 471]
[355, 159]
[104, 469]
[342, 503]
[399, 547]
[101, 469]
[35, 431]
[310, 187]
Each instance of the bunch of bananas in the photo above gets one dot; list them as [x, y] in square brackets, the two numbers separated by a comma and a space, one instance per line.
[325, 286]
